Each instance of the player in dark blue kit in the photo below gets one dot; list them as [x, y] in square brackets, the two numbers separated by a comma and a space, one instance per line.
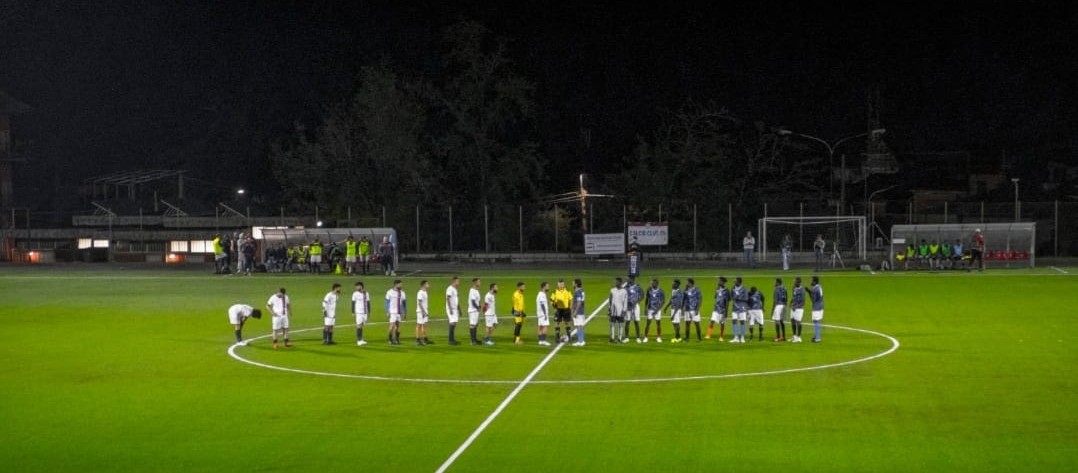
[797, 309]
[676, 306]
[779, 310]
[741, 311]
[816, 294]
[756, 312]
[653, 300]
[718, 315]
[693, 299]
[636, 294]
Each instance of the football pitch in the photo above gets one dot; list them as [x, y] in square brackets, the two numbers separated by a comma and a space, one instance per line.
[137, 371]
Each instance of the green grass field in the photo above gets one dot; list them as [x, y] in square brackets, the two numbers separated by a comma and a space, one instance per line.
[130, 371]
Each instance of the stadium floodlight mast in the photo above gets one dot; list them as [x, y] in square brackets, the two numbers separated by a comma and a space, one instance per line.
[582, 195]
[831, 155]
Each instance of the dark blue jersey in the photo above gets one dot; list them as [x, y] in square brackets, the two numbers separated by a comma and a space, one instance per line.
[798, 301]
[741, 299]
[635, 294]
[677, 299]
[722, 298]
[692, 299]
[817, 297]
[578, 298]
[780, 295]
[655, 298]
[757, 301]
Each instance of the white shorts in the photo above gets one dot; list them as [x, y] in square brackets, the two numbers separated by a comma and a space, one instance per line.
[718, 317]
[817, 315]
[675, 316]
[395, 318]
[490, 320]
[542, 320]
[579, 319]
[633, 314]
[655, 314]
[235, 319]
[740, 315]
[473, 318]
[421, 319]
[316, 258]
[797, 314]
[361, 319]
[776, 314]
[280, 322]
[349, 259]
[329, 321]
[692, 316]
[756, 316]
[453, 316]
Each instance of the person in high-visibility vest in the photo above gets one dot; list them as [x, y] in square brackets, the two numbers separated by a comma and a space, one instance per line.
[351, 249]
[316, 256]
[218, 255]
[365, 254]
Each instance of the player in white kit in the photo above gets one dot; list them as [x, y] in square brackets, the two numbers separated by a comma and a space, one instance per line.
[422, 314]
[329, 314]
[542, 312]
[237, 315]
[475, 306]
[361, 308]
[396, 305]
[280, 306]
[490, 314]
[452, 309]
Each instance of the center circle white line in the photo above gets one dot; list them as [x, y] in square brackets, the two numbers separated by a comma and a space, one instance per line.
[894, 346]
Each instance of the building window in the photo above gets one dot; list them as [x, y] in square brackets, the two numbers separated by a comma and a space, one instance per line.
[177, 246]
[86, 243]
[201, 246]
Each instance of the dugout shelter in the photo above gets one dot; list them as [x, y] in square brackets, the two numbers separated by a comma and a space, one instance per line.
[1006, 244]
[271, 237]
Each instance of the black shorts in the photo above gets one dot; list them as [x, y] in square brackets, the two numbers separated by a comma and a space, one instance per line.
[563, 315]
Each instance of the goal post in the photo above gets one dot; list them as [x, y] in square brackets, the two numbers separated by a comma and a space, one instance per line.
[845, 234]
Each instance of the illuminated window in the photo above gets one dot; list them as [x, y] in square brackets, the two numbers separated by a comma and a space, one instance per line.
[201, 246]
[85, 243]
[177, 246]
[101, 243]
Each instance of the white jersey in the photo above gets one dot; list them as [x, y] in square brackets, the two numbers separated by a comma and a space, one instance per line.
[238, 312]
[360, 300]
[452, 302]
[542, 308]
[422, 303]
[619, 301]
[395, 301]
[329, 305]
[279, 304]
[489, 301]
[474, 301]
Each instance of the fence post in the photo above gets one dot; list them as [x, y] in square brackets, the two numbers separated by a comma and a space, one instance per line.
[555, 228]
[417, 229]
[1055, 230]
[520, 220]
[982, 212]
[945, 212]
[349, 216]
[450, 228]
[486, 229]
[801, 229]
[730, 227]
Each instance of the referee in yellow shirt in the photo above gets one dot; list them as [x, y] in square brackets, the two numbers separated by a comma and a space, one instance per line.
[561, 301]
[518, 312]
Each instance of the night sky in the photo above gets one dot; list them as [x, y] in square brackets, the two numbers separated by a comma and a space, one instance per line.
[131, 85]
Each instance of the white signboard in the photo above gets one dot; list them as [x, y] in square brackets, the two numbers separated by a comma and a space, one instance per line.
[604, 244]
[650, 234]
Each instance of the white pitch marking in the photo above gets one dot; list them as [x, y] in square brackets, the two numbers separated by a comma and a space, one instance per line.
[1060, 270]
[894, 346]
[493, 415]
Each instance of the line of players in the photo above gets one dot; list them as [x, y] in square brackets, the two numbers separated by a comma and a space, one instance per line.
[568, 311]
[684, 304]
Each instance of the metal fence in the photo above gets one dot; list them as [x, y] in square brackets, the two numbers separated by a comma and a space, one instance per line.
[698, 227]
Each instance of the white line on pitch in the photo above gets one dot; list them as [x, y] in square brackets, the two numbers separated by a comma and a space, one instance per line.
[1060, 270]
[501, 407]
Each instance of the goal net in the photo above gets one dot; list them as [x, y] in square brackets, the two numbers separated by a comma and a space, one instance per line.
[845, 235]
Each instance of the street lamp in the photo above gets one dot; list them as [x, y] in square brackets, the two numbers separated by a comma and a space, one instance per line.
[1015, 181]
[831, 156]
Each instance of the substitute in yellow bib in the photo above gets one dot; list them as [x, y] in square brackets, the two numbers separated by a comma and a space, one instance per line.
[518, 312]
[351, 249]
[316, 256]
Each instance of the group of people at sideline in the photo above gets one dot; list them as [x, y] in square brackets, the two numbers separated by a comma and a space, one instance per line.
[944, 254]
[350, 256]
[565, 311]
